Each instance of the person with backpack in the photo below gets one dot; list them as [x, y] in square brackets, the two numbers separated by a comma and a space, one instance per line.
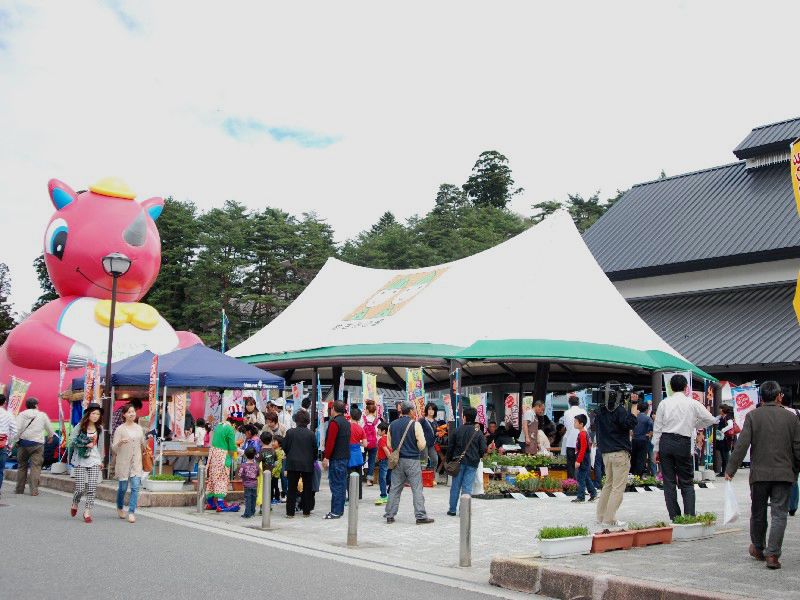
[468, 445]
[370, 427]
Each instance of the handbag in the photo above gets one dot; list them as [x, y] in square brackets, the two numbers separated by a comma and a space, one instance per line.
[394, 455]
[147, 459]
[356, 456]
[452, 467]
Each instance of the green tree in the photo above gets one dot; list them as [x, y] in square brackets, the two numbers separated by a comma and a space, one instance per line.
[584, 211]
[7, 319]
[491, 183]
[48, 290]
[179, 230]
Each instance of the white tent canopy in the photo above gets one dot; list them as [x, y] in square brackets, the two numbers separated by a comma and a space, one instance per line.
[558, 304]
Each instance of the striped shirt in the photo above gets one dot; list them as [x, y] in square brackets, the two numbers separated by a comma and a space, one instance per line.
[8, 426]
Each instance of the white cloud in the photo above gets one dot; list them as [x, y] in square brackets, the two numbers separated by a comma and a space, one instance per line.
[579, 96]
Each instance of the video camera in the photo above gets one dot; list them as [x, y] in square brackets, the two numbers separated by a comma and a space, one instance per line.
[614, 393]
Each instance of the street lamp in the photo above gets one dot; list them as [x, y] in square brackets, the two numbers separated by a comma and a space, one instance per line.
[116, 265]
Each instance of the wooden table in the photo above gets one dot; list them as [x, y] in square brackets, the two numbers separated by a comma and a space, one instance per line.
[198, 453]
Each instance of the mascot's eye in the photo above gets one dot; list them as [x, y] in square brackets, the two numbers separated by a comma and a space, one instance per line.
[55, 240]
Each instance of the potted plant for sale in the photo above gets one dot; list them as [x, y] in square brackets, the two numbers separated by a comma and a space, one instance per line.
[651, 534]
[164, 483]
[555, 542]
[693, 527]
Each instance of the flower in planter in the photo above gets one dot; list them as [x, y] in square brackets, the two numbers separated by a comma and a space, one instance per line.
[569, 485]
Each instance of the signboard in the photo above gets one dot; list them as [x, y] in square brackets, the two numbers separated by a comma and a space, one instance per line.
[152, 391]
[512, 411]
[415, 389]
[745, 399]
[16, 394]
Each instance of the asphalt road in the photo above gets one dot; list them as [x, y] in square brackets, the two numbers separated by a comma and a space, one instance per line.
[48, 554]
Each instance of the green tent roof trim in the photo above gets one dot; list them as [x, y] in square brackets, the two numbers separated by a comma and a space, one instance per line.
[503, 350]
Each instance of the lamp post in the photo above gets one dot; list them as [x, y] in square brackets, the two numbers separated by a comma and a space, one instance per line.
[116, 265]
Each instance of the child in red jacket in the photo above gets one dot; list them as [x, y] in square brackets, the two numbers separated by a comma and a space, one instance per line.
[582, 460]
[384, 474]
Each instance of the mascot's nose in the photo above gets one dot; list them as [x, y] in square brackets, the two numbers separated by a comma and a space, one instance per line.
[136, 233]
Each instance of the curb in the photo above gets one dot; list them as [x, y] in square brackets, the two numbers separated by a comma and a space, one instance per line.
[524, 575]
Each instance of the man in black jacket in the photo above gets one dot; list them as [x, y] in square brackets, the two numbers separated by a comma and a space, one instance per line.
[614, 425]
[337, 455]
[469, 441]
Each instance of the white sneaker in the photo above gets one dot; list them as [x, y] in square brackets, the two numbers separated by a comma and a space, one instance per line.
[617, 525]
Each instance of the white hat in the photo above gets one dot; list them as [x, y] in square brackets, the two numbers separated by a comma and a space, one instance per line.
[279, 402]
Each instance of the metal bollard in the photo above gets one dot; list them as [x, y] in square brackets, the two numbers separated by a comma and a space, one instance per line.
[201, 486]
[465, 532]
[352, 511]
[266, 499]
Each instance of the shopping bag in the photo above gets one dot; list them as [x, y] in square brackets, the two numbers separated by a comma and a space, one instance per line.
[731, 504]
[477, 486]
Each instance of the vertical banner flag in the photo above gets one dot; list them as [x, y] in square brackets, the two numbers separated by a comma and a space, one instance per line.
[794, 165]
[152, 392]
[455, 392]
[745, 399]
[512, 411]
[213, 405]
[225, 324]
[16, 394]
[478, 402]
[369, 388]
[415, 389]
[62, 371]
[340, 398]
[379, 406]
[448, 409]
[177, 415]
[668, 376]
[89, 383]
[297, 393]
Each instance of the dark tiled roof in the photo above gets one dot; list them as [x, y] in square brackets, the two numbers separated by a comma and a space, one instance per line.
[768, 138]
[712, 218]
[746, 326]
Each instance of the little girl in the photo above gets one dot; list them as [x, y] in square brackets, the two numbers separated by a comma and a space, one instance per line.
[277, 470]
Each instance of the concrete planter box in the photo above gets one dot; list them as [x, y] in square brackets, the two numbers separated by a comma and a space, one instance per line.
[695, 531]
[163, 486]
[567, 546]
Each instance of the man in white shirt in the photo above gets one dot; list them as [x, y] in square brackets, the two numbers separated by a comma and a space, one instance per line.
[571, 435]
[8, 431]
[284, 416]
[677, 420]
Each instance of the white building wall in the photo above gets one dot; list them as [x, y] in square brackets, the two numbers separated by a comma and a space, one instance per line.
[779, 271]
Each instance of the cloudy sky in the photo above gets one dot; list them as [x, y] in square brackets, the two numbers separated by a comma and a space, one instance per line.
[350, 109]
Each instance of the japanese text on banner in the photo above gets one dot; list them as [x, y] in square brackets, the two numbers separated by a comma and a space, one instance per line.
[369, 388]
[415, 389]
[152, 391]
[16, 394]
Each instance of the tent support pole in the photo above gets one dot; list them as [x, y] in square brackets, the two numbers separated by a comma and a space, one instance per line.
[657, 389]
[541, 381]
[161, 437]
[521, 392]
[314, 399]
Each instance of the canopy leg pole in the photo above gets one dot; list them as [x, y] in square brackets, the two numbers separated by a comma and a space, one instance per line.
[337, 374]
[521, 394]
[540, 384]
[658, 393]
[163, 426]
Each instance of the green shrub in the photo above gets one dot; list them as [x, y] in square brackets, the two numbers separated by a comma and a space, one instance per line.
[166, 477]
[704, 518]
[553, 533]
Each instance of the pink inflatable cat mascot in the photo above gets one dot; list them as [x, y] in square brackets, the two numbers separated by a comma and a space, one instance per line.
[74, 328]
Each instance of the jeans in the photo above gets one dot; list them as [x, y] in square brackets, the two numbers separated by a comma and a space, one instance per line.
[777, 494]
[250, 501]
[122, 488]
[639, 457]
[284, 485]
[585, 482]
[3, 457]
[383, 469]
[462, 484]
[598, 468]
[676, 462]
[337, 478]
[372, 454]
[33, 455]
[407, 471]
[432, 456]
[616, 464]
[306, 496]
[571, 463]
